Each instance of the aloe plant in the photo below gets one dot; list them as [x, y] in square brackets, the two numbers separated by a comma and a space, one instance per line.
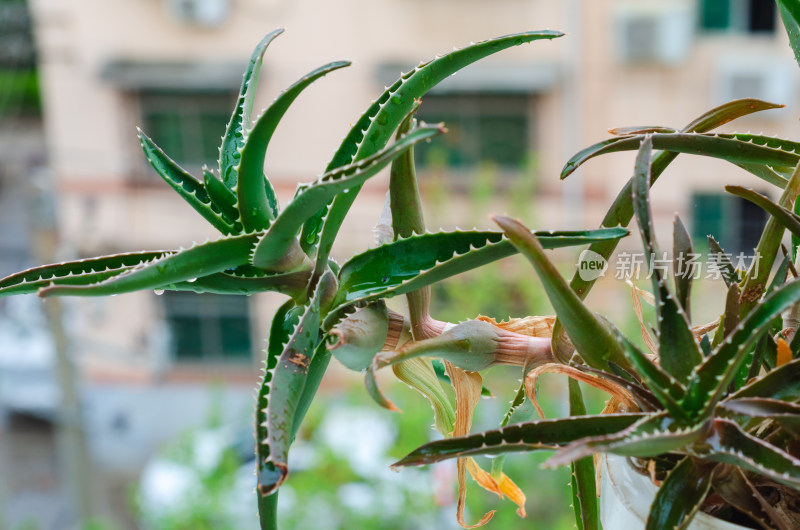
[710, 409]
[709, 417]
[263, 247]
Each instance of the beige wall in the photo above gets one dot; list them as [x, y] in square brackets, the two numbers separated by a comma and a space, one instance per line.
[93, 147]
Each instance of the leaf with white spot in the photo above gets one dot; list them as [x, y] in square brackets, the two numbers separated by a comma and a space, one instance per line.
[79, 272]
[189, 188]
[255, 196]
[520, 437]
[179, 266]
[233, 140]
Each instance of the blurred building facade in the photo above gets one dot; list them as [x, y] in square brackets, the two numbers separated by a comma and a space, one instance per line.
[173, 67]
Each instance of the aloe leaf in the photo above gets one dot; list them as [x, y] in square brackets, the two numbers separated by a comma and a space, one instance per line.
[765, 173]
[780, 383]
[767, 249]
[729, 444]
[285, 391]
[283, 231]
[293, 284]
[664, 387]
[682, 272]
[195, 262]
[371, 132]
[428, 258]
[731, 316]
[79, 272]
[582, 477]
[283, 324]
[233, 140]
[520, 437]
[679, 496]
[744, 149]
[650, 436]
[191, 190]
[643, 397]
[591, 335]
[255, 197]
[222, 197]
[784, 216]
[790, 14]
[717, 371]
[723, 261]
[316, 369]
[785, 413]
[678, 351]
[795, 239]
[630, 131]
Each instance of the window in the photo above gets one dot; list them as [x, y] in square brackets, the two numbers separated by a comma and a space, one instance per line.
[747, 16]
[207, 327]
[187, 125]
[734, 222]
[481, 127]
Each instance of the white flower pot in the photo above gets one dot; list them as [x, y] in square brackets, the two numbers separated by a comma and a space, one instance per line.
[625, 498]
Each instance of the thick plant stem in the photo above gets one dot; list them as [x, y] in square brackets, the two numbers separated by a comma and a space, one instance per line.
[268, 511]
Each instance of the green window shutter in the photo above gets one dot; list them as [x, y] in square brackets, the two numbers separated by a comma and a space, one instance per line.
[715, 14]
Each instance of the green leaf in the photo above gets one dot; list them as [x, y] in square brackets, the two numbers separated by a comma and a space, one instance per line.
[222, 198]
[582, 478]
[285, 390]
[591, 335]
[729, 444]
[293, 284]
[283, 231]
[682, 271]
[520, 437]
[679, 496]
[780, 383]
[79, 272]
[375, 127]
[790, 14]
[664, 387]
[283, 325]
[648, 437]
[784, 216]
[735, 148]
[255, 197]
[643, 397]
[233, 140]
[723, 261]
[755, 281]
[200, 260]
[186, 185]
[408, 264]
[717, 371]
[678, 351]
[317, 368]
